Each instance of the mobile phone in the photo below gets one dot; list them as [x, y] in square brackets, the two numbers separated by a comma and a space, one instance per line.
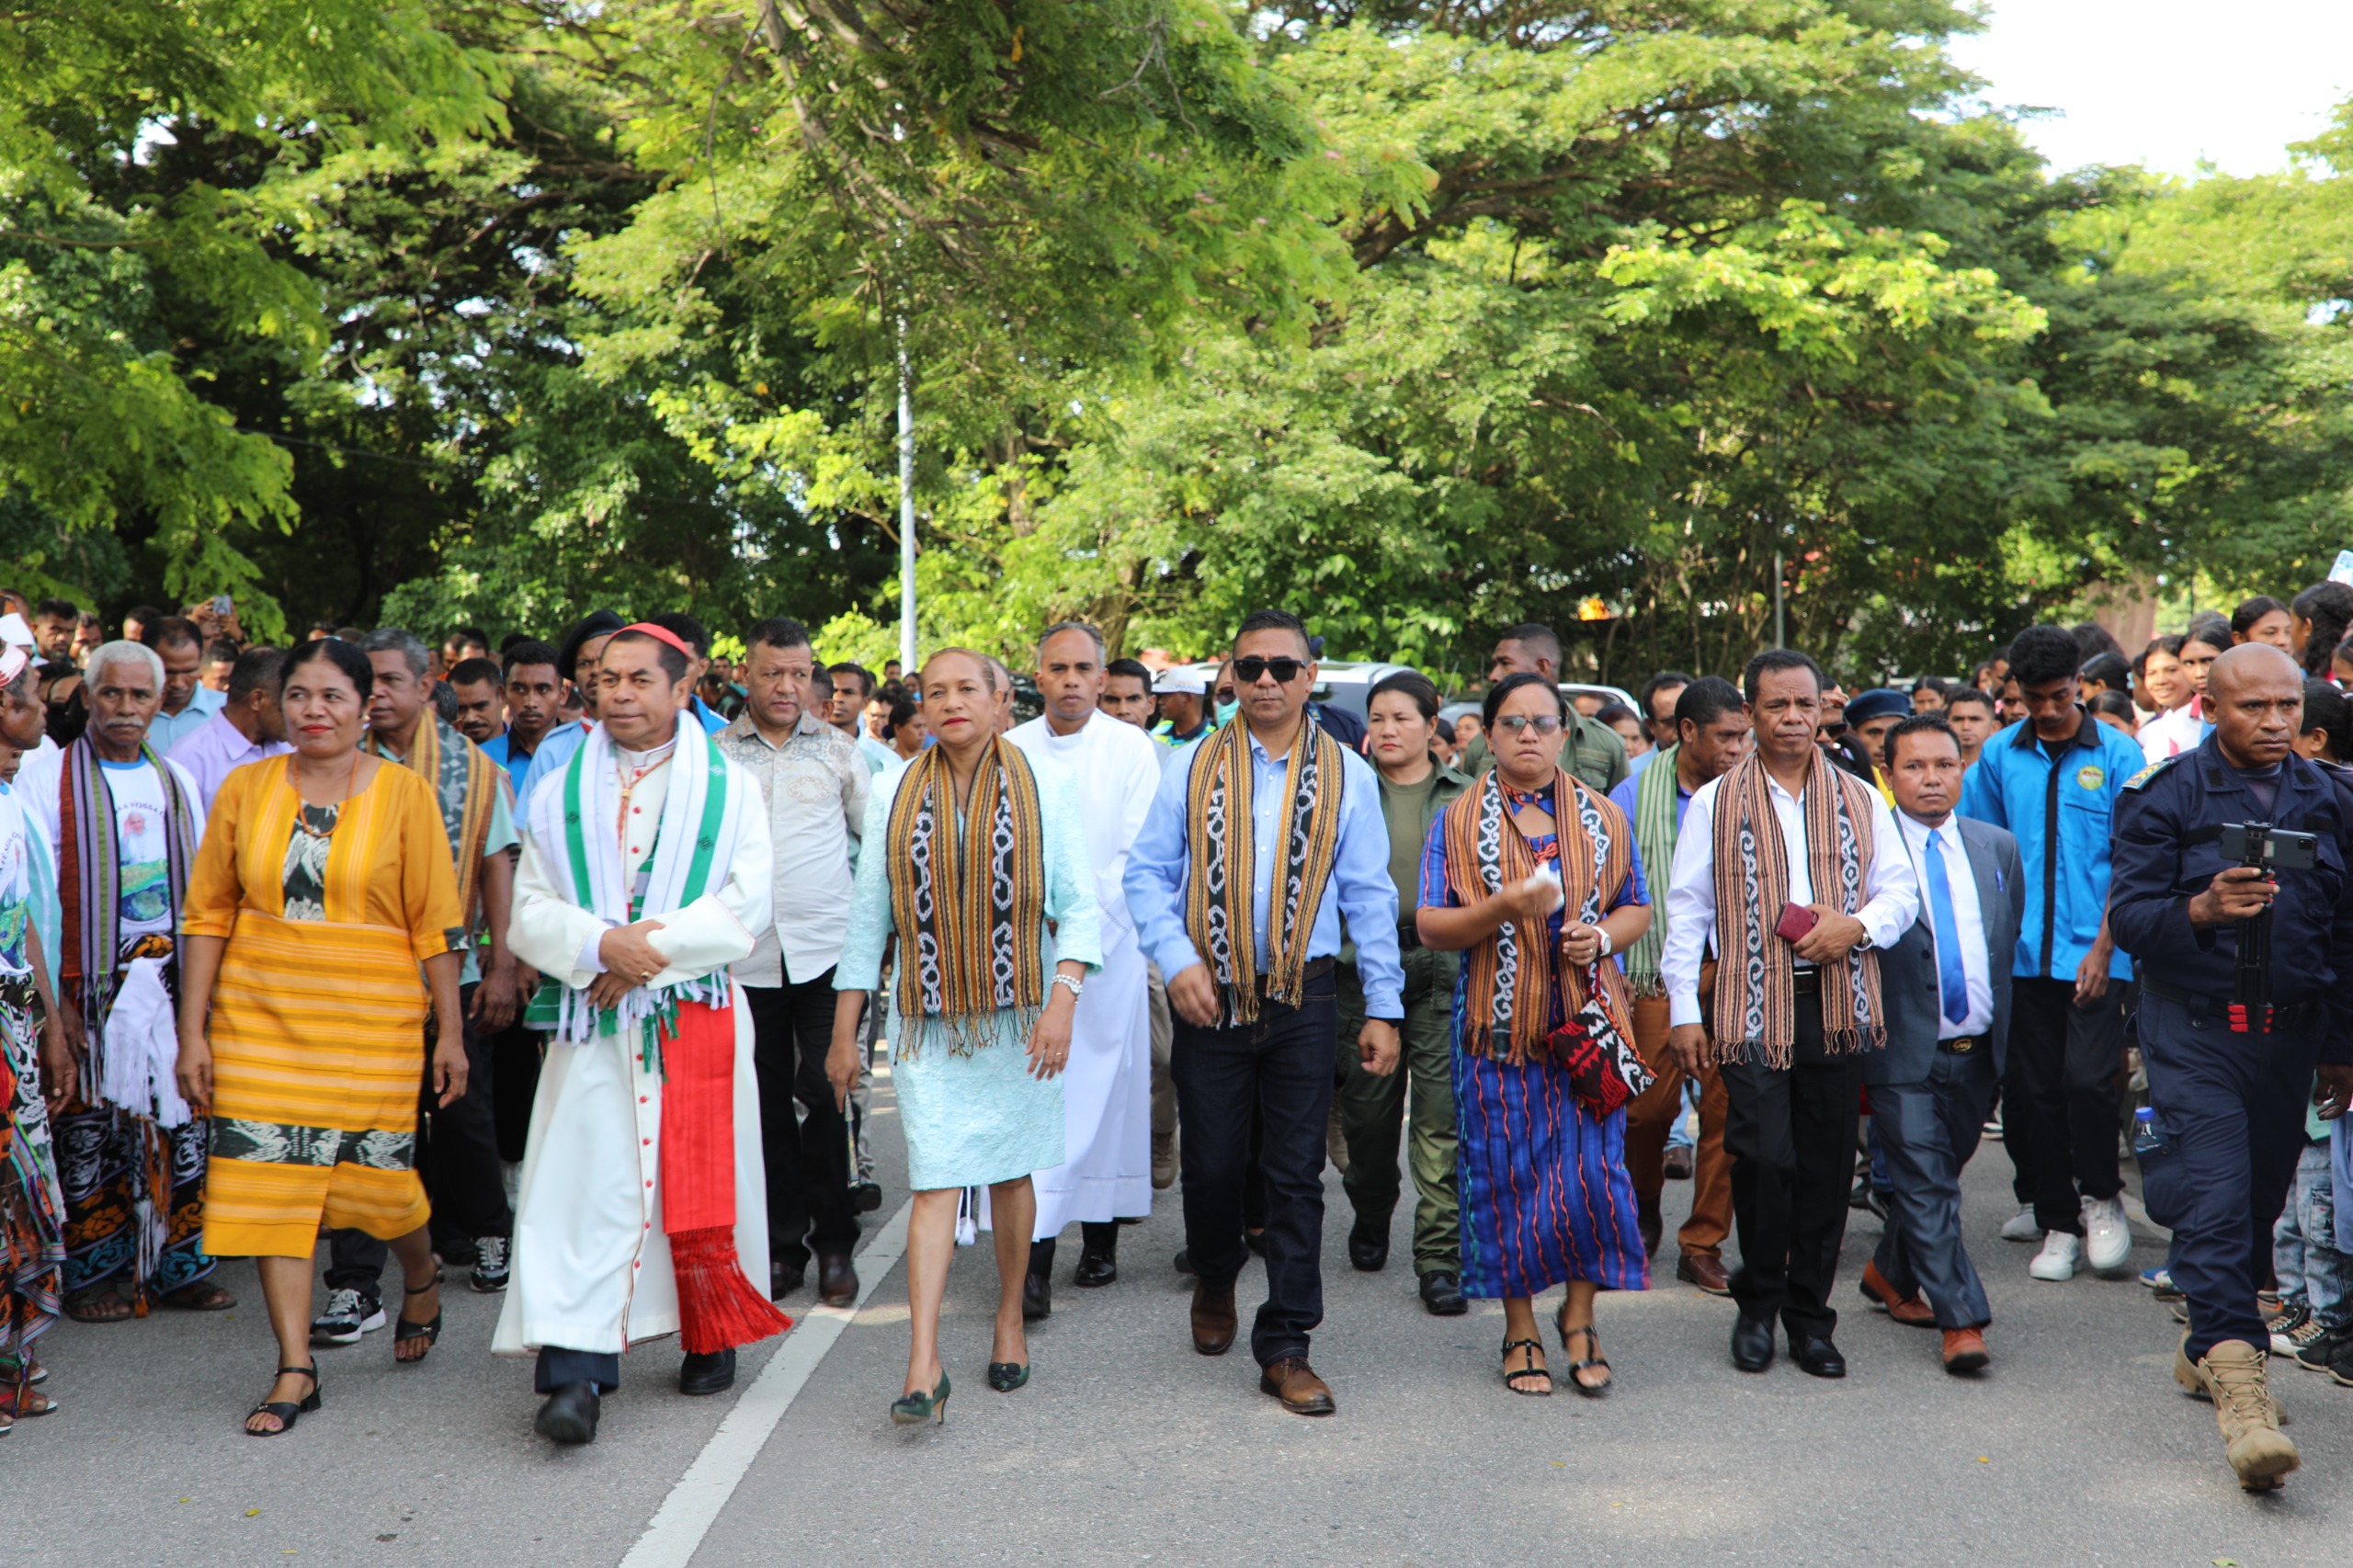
[223, 605]
[1795, 922]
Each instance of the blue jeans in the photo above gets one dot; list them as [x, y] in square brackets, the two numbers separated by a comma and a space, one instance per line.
[2303, 1252]
[1278, 1073]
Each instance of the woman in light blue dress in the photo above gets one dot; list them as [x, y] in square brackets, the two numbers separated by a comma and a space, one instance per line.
[974, 859]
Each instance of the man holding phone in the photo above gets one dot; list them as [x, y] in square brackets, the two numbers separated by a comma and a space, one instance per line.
[2229, 1090]
[1794, 871]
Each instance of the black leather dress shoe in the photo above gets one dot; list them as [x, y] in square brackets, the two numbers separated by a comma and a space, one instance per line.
[837, 1279]
[1095, 1269]
[713, 1373]
[784, 1280]
[1814, 1353]
[1370, 1254]
[569, 1414]
[1751, 1344]
[1442, 1294]
[1037, 1298]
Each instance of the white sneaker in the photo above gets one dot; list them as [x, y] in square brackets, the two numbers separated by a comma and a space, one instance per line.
[2108, 1235]
[2020, 1226]
[2057, 1258]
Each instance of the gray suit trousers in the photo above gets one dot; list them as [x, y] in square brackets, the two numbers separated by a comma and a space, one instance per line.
[1928, 1131]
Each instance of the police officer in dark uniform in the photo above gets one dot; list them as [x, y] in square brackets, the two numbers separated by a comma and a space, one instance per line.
[2228, 1092]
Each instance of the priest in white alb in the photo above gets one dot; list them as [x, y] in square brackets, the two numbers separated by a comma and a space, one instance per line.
[1107, 1089]
[646, 873]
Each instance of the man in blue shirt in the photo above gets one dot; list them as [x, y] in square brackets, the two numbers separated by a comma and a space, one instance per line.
[582, 645]
[2053, 780]
[534, 704]
[1253, 984]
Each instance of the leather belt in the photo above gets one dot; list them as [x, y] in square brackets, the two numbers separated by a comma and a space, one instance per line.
[1961, 1045]
[1316, 970]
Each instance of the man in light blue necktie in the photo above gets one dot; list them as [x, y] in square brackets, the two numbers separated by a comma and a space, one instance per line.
[1947, 1018]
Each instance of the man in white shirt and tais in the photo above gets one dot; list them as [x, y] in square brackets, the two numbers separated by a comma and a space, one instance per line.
[814, 785]
[1106, 1088]
[1948, 1021]
[1794, 871]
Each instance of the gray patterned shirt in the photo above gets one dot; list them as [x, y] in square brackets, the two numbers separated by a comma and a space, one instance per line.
[816, 787]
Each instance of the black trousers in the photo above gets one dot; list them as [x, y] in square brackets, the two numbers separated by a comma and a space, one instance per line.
[2230, 1109]
[1791, 1133]
[2059, 1094]
[556, 1367]
[807, 1154]
[515, 1057]
[457, 1153]
[1273, 1077]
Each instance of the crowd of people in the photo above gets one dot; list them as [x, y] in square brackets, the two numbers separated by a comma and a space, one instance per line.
[401, 945]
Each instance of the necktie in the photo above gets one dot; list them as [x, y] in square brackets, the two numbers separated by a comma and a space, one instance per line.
[1951, 978]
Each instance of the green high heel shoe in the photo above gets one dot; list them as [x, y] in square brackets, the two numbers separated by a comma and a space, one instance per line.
[913, 1409]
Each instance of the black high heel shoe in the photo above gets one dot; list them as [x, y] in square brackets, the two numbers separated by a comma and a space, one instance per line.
[285, 1414]
[404, 1331]
[915, 1409]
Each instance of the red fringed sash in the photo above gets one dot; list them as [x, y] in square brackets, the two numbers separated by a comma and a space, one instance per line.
[718, 1308]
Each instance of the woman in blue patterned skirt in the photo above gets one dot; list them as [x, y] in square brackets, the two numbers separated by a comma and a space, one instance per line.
[1536, 879]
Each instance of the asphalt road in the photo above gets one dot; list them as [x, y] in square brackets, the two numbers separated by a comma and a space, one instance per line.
[1128, 1448]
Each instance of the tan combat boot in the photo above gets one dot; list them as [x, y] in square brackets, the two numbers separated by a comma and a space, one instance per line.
[2258, 1452]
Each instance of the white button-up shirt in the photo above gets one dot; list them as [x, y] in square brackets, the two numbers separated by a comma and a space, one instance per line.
[1967, 914]
[817, 785]
[1890, 891]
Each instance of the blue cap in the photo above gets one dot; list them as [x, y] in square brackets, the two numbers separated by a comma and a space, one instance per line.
[1879, 702]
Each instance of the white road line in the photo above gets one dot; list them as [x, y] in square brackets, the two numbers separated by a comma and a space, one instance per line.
[694, 1504]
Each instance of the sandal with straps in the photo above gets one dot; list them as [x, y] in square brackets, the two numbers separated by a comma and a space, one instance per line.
[405, 1332]
[1534, 1347]
[282, 1411]
[1593, 1342]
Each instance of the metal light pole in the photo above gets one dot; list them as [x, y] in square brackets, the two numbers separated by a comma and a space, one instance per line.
[1780, 638]
[906, 508]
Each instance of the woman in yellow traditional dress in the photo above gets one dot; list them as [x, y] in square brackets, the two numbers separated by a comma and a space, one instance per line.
[324, 882]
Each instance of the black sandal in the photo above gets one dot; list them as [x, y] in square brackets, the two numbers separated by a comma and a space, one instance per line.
[1593, 1340]
[405, 1332]
[1534, 1347]
[285, 1414]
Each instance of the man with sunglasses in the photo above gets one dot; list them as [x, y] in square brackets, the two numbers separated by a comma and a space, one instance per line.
[1589, 748]
[1262, 838]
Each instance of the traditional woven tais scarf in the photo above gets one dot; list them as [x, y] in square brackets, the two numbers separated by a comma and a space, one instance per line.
[968, 901]
[1220, 881]
[1756, 995]
[1656, 823]
[1509, 978]
[463, 778]
[89, 874]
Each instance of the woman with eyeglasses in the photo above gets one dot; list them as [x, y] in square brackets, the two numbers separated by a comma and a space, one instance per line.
[1535, 879]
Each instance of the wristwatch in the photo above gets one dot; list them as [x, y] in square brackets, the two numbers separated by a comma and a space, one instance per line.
[1077, 986]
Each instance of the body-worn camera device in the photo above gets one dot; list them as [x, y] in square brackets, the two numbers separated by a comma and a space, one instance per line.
[2268, 849]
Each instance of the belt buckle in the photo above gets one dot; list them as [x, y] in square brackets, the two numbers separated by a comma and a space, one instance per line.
[1961, 1045]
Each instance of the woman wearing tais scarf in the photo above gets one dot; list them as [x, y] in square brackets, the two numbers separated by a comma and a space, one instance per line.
[974, 856]
[1543, 1065]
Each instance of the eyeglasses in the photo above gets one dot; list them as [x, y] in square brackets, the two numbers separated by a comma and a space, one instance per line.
[1543, 723]
[1286, 671]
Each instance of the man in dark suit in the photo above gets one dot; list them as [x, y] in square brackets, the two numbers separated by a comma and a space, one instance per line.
[1948, 1003]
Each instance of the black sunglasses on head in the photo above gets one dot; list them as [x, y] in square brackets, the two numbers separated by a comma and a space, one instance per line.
[1286, 671]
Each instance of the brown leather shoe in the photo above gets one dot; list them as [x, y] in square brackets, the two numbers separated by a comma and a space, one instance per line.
[1909, 1309]
[1706, 1271]
[836, 1280]
[1213, 1318]
[1294, 1381]
[1965, 1351]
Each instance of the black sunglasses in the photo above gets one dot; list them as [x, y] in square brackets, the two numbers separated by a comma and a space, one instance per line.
[1248, 671]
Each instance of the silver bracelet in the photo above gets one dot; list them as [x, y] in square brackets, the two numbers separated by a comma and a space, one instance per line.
[1077, 986]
